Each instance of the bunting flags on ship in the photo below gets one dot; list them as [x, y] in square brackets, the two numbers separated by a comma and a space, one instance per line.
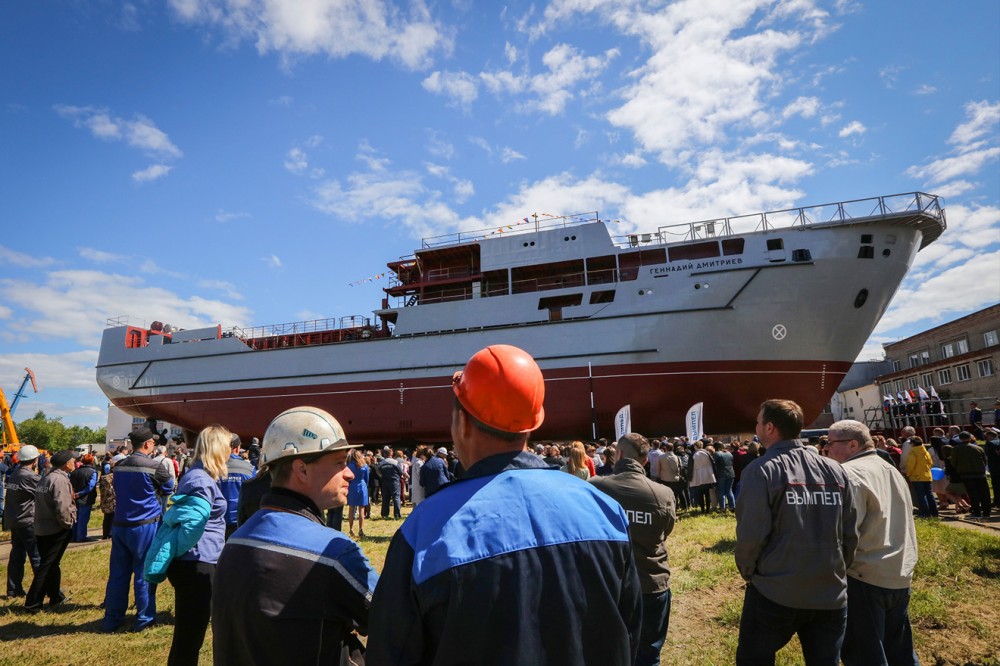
[377, 276]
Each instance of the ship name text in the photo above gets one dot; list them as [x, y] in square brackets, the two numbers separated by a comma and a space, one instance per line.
[695, 266]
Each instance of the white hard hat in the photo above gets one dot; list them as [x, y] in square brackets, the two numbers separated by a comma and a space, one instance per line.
[27, 453]
[301, 431]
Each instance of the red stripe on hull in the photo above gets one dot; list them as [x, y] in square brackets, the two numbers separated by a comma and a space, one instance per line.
[660, 395]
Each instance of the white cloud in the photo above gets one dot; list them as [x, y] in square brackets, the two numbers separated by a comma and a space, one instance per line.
[440, 147]
[19, 259]
[852, 128]
[925, 89]
[943, 296]
[890, 75]
[151, 173]
[568, 73]
[946, 168]
[140, 132]
[338, 29]
[99, 256]
[226, 216]
[227, 288]
[283, 101]
[296, 161]
[460, 87]
[75, 304]
[700, 47]
[71, 370]
[567, 68]
[983, 119]
[271, 261]
[509, 155]
[807, 107]
[462, 188]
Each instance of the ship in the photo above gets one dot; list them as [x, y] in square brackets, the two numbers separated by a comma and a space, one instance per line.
[728, 312]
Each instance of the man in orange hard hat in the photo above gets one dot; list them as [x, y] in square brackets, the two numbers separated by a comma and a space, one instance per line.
[478, 569]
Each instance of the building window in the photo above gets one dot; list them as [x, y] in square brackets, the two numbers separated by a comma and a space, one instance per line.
[914, 360]
[899, 385]
[895, 365]
[944, 376]
[925, 357]
[926, 380]
[961, 346]
[948, 350]
[887, 390]
[990, 338]
[912, 382]
[985, 367]
[962, 372]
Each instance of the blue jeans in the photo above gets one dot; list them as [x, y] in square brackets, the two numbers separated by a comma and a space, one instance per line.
[128, 552]
[926, 504]
[724, 490]
[655, 620]
[82, 518]
[766, 627]
[878, 627]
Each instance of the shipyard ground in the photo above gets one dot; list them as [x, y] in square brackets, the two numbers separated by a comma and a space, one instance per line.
[954, 591]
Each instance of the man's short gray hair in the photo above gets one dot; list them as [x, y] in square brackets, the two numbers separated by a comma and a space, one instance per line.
[909, 431]
[850, 429]
[633, 445]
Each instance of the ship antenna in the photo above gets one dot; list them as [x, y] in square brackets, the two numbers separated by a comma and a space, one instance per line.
[535, 215]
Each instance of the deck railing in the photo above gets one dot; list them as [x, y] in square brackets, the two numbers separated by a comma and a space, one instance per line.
[844, 211]
[539, 222]
[311, 326]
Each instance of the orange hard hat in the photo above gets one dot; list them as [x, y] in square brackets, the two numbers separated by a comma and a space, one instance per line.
[503, 387]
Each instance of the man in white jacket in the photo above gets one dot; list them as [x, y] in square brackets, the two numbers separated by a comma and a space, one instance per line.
[878, 580]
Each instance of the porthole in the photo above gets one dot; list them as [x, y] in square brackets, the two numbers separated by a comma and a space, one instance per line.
[861, 298]
[697, 285]
[886, 252]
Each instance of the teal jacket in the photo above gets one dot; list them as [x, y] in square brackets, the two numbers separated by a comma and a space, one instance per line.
[183, 524]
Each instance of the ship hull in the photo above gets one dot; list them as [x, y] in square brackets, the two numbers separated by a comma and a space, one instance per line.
[659, 394]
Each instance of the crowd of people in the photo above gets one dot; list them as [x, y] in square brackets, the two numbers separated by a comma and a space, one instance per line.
[250, 536]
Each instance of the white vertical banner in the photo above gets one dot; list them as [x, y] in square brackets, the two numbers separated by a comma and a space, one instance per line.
[623, 422]
[694, 422]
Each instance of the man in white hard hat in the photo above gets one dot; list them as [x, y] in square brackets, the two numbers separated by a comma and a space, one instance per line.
[288, 589]
[19, 518]
[480, 570]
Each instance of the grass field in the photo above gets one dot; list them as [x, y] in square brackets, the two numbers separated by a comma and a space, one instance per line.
[953, 607]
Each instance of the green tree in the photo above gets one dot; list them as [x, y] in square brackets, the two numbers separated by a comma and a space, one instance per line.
[43, 432]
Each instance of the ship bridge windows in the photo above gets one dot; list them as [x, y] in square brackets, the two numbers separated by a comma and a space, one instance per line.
[496, 283]
[542, 277]
[630, 262]
[732, 246]
[705, 250]
[775, 244]
[601, 270]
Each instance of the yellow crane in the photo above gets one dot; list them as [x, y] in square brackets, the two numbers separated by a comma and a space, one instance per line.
[10, 440]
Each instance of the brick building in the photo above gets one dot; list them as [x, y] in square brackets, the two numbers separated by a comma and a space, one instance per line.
[958, 359]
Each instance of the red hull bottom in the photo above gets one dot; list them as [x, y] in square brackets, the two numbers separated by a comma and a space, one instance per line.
[659, 395]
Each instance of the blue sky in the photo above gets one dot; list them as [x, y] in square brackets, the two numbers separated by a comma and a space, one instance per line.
[243, 163]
